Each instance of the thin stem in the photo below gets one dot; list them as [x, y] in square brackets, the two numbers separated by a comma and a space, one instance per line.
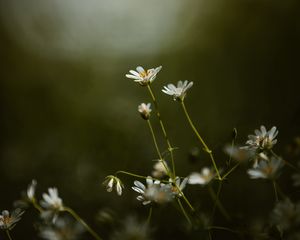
[275, 190]
[8, 235]
[223, 228]
[131, 174]
[154, 140]
[286, 162]
[36, 206]
[201, 139]
[230, 171]
[217, 202]
[79, 219]
[149, 216]
[162, 126]
[184, 212]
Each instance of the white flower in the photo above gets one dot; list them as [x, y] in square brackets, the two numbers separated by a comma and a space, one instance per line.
[52, 201]
[31, 191]
[145, 110]
[112, 182]
[178, 92]
[62, 229]
[154, 192]
[8, 221]
[178, 185]
[238, 154]
[202, 178]
[286, 214]
[266, 169]
[142, 76]
[262, 140]
[160, 169]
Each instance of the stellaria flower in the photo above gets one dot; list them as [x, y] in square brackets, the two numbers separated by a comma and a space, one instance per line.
[142, 76]
[178, 92]
[112, 182]
[238, 154]
[202, 178]
[62, 229]
[31, 190]
[155, 191]
[266, 169]
[8, 221]
[286, 214]
[52, 201]
[160, 169]
[178, 185]
[262, 140]
[145, 110]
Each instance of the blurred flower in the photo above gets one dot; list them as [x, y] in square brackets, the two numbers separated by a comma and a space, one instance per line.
[286, 214]
[178, 92]
[296, 177]
[62, 229]
[142, 76]
[178, 185]
[31, 190]
[238, 154]
[262, 140]
[266, 169]
[154, 192]
[132, 229]
[112, 182]
[202, 178]
[145, 110]
[8, 221]
[52, 201]
[160, 169]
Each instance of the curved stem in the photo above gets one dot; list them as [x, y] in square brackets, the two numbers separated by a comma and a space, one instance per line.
[275, 191]
[8, 235]
[201, 139]
[162, 126]
[223, 228]
[217, 202]
[184, 212]
[36, 206]
[79, 219]
[230, 171]
[149, 215]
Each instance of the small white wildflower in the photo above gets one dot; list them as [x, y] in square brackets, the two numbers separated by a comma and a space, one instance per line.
[112, 182]
[266, 169]
[62, 229]
[178, 92]
[238, 154]
[286, 214]
[142, 76]
[178, 185]
[202, 178]
[154, 192]
[52, 201]
[160, 169]
[262, 140]
[8, 221]
[31, 190]
[145, 110]
[132, 228]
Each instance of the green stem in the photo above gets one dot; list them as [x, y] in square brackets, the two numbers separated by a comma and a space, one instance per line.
[79, 219]
[8, 235]
[36, 206]
[201, 139]
[184, 212]
[149, 216]
[217, 202]
[286, 162]
[275, 190]
[230, 171]
[223, 228]
[162, 126]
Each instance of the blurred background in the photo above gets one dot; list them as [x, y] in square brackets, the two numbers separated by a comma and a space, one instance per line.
[68, 115]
